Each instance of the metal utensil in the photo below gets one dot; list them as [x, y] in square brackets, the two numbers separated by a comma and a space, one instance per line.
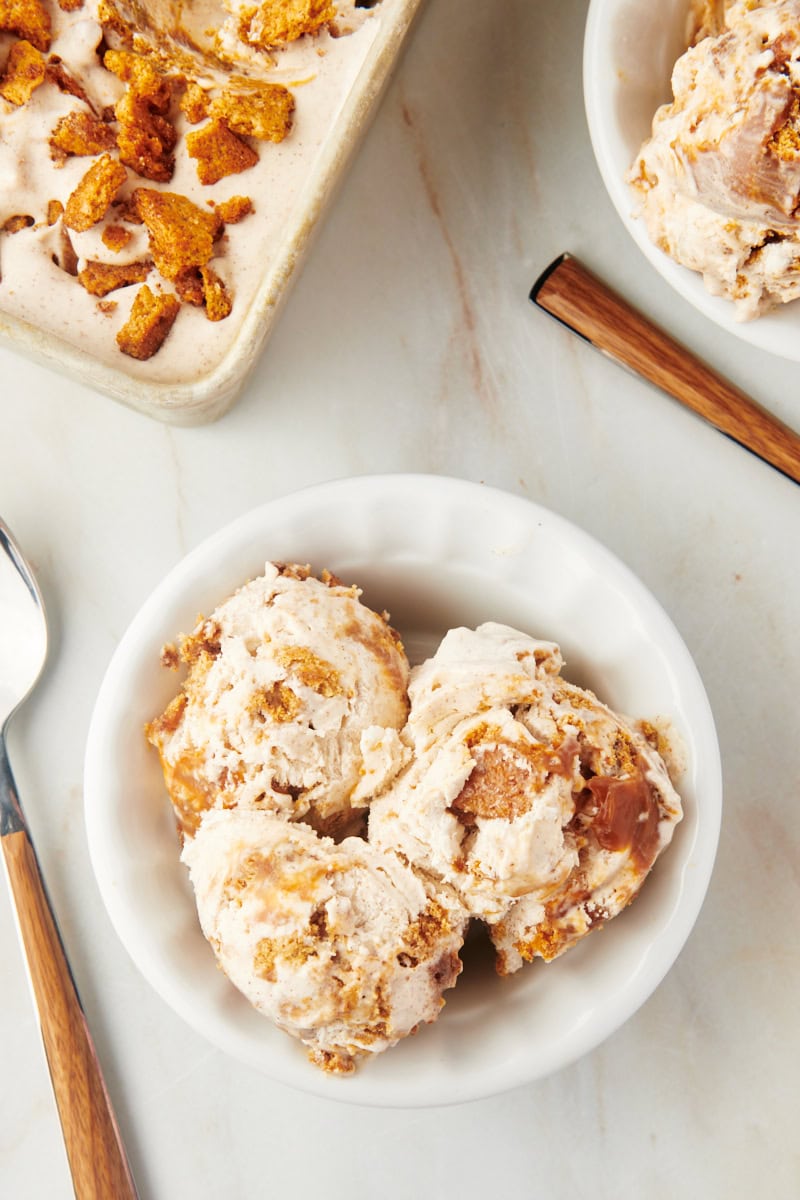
[95, 1152]
[588, 307]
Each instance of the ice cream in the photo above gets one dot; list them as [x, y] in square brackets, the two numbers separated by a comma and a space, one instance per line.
[342, 946]
[237, 130]
[718, 182]
[292, 704]
[541, 807]
[496, 791]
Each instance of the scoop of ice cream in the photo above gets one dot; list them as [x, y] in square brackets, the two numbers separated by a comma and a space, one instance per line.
[625, 810]
[719, 179]
[342, 946]
[539, 805]
[486, 797]
[292, 704]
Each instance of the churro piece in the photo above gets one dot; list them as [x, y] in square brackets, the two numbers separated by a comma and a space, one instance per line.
[25, 71]
[91, 199]
[29, 19]
[264, 111]
[152, 317]
[99, 278]
[219, 152]
[181, 234]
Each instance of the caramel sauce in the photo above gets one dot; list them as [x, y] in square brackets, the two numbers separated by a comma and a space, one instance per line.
[626, 817]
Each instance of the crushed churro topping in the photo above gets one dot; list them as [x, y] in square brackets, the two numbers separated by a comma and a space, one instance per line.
[151, 319]
[142, 124]
[25, 71]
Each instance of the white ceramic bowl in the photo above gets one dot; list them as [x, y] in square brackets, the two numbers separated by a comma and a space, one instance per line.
[630, 47]
[435, 552]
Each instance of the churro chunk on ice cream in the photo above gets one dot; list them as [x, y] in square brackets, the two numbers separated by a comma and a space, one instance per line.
[541, 807]
[343, 946]
[293, 702]
[718, 181]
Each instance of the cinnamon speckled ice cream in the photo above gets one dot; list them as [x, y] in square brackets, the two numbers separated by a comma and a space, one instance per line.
[343, 946]
[226, 113]
[718, 182]
[541, 807]
[293, 702]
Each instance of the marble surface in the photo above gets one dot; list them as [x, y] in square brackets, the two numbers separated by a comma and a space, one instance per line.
[409, 344]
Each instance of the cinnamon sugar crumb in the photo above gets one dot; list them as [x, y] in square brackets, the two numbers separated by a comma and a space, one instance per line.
[276, 22]
[116, 237]
[263, 111]
[91, 199]
[219, 152]
[152, 317]
[25, 71]
[80, 133]
[28, 19]
[100, 278]
[235, 209]
[181, 234]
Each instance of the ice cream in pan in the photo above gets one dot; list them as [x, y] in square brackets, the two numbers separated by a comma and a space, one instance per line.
[158, 164]
[496, 790]
[718, 181]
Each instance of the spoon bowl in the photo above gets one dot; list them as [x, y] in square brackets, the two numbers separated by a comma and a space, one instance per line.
[94, 1148]
[23, 629]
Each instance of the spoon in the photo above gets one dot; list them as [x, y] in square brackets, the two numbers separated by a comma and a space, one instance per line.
[95, 1152]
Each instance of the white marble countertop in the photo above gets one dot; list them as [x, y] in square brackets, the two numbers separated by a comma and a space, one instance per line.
[409, 344]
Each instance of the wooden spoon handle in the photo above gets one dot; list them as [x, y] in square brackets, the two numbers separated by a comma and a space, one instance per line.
[582, 302]
[96, 1156]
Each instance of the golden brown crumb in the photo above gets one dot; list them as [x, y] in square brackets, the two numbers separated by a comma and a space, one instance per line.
[293, 949]
[55, 210]
[785, 142]
[235, 209]
[101, 278]
[90, 200]
[17, 222]
[146, 137]
[80, 133]
[333, 1062]
[116, 237]
[181, 234]
[312, 671]
[203, 643]
[25, 71]
[169, 720]
[216, 297]
[277, 21]
[170, 658]
[189, 286]
[264, 111]
[138, 72]
[219, 152]
[277, 703]
[107, 307]
[421, 935]
[29, 19]
[152, 317]
[194, 103]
